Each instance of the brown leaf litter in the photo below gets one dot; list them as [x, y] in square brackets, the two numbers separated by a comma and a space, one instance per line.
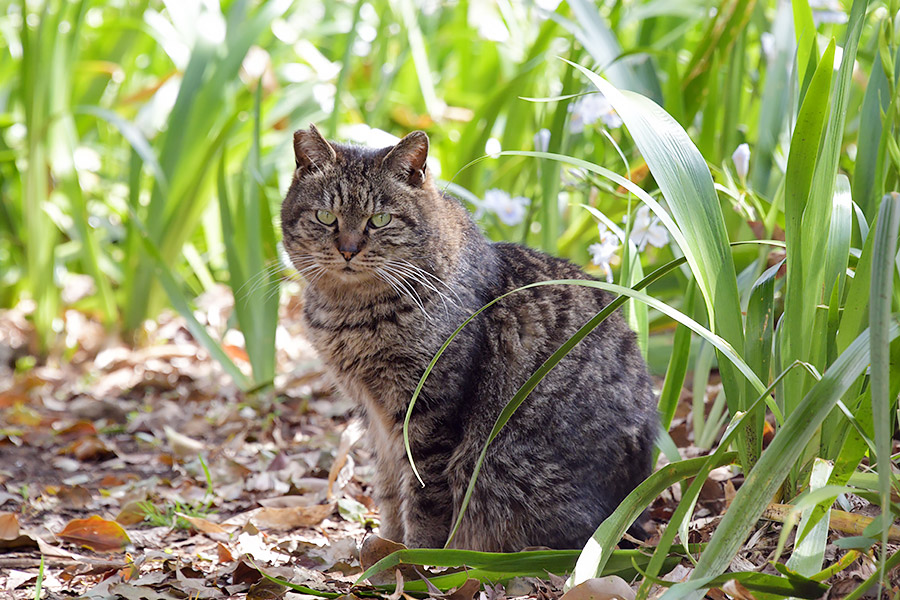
[145, 473]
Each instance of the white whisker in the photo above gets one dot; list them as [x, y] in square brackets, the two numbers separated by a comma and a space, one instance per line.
[382, 277]
[417, 275]
[428, 274]
[263, 277]
[400, 271]
[409, 290]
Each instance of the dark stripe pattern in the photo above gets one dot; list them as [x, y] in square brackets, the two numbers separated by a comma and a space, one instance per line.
[575, 448]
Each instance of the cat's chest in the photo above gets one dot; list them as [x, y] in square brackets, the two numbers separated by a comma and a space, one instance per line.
[374, 356]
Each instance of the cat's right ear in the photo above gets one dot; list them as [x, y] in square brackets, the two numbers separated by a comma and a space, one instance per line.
[311, 150]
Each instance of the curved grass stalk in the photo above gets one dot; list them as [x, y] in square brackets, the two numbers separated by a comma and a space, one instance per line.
[689, 497]
[763, 481]
[528, 386]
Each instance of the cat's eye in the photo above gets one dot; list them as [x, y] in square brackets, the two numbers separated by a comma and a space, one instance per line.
[380, 219]
[325, 217]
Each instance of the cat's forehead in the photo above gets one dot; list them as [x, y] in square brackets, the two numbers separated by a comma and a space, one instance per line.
[359, 180]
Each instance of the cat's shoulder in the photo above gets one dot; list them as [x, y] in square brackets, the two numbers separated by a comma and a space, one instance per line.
[527, 265]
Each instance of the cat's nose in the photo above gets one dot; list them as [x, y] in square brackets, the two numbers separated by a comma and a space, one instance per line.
[349, 245]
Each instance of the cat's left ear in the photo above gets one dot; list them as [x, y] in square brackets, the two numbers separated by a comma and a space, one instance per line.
[406, 160]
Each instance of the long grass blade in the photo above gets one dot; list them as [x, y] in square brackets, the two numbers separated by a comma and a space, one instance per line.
[685, 181]
[880, 323]
[768, 474]
[600, 548]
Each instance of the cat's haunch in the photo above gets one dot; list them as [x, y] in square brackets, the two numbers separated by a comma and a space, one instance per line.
[394, 266]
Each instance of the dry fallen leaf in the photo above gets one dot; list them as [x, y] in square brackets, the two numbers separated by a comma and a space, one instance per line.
[9, 526]
[398, 587]
[183, 446]
[225, 555]
[17, 579]
[90, 448]
[601, 588]
[373, 549]
[95, 533]
[737, 591]
[730, 493]
[466, 591]
[351, 434]
[75, 496]
[131, 514]
[266, 589]
[22, 415]
[291, 501]
[12, 397]
[235, 352]
[77, 429]
[10, 536]
[282, 519]
[203, 525]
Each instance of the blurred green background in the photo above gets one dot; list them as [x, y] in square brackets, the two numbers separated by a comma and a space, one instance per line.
[145, 146]
[149, 142]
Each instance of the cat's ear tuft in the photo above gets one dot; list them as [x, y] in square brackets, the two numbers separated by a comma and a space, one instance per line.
[311, 150]
[407, 159]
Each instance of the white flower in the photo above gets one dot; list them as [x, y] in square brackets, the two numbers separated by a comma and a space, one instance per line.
[741, 159]
[588, 109]
[256, 62]
[542, 140]
[648, 230]
[838, 57]
[511, 211]
[86, 159]
[603, 252]
[548, 5]
[323, 94]
[827, 11]
[767, 41]
[361, 133]
[211, 26]
[492, 148]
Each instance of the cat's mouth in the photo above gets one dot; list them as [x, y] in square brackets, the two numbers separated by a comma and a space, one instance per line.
[348, 273]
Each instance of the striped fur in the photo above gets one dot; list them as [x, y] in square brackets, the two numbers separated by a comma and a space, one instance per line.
[578, 444]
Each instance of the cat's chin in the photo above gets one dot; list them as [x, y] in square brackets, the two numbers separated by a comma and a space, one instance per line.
[346, 276]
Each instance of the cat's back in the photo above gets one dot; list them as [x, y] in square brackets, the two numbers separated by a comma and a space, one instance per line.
[560, 308]
[602, 377]
[582, 439]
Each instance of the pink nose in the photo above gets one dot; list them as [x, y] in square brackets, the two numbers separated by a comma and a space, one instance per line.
[349, 245]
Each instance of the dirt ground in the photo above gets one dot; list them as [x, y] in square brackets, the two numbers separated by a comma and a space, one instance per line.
[146, 474]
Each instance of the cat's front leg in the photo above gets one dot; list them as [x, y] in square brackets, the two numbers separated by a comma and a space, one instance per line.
[391, 511]
[427, 511]
[389, 495]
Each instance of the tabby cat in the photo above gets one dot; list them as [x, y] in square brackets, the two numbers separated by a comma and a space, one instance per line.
[393, 267]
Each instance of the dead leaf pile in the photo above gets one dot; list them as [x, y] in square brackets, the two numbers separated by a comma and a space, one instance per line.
[144, 473]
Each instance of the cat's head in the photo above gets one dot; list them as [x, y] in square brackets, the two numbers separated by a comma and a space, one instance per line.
[353, 214]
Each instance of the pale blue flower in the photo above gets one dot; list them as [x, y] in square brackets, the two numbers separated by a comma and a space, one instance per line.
[542, 140]
[510, 211]
[591, 108]
[604, 251]
[648, 230]
[827, 11]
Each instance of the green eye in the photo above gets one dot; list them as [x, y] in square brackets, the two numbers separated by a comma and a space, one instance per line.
[325, 217]
[380, 219]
